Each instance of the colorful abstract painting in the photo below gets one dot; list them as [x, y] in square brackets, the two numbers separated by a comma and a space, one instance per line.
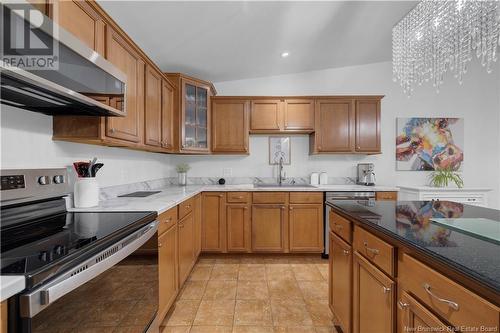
[427, 144]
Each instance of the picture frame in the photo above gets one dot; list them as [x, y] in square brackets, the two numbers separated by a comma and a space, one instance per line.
[279, 146]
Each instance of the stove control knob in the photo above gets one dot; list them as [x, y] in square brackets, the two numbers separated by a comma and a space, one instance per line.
[59, 179]
[44, 180]
[44, 256]
[59, 250]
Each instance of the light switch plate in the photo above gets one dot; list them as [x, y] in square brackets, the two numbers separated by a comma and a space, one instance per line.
[227, 172]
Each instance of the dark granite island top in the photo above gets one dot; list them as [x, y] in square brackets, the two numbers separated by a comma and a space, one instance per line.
[409, 224]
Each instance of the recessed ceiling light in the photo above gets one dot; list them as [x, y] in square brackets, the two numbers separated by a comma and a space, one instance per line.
[285, 54]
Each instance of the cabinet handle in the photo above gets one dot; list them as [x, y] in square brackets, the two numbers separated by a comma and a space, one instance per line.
[282, 207]
[339, 226]
[239, 197]
[245, 208]
[112, 129]
[168, 220]
[181, 226]
[188, 206]
[160, 245]
[220, 195]
[291, 208]
[386, 290]
[402, 305]
[372, 250]
[358, 147]
[451, 304]
[345, 252]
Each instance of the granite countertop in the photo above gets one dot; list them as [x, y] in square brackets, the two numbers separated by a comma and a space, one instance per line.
[170, 196]
[410, 223]
[11, 285]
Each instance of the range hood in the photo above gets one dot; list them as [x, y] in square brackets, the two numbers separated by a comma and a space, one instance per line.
[83, 83]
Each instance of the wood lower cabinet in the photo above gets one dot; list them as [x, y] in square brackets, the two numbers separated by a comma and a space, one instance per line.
[168, 270]
[153, 109]
[373, 298]
[269, 228]
[197, 225]
[230, 126]
[340, 281]
[238, 228]
[306, 227]
[368, 125]
[213, 227]
[186, 248]
[414, 317]
[386, 196]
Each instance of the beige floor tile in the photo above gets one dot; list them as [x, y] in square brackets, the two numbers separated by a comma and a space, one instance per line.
[306, 272]
[211, 329]
[253, 329]
[182, 314]
[205, 261]
[254, 259]
[284, 289]
[279, 272]
[193, 290]
[295, 329]
[252, 290]
[320, 312]
[252, 272]
[323, 269]
[328, 329]
[200, 273]
[225, 272]
[314, 289]
[220, 289]
[278, 259]
[175, 329]
[303, 259]
[289, 313]
[253, 312]
[228, 260]
[215, 313]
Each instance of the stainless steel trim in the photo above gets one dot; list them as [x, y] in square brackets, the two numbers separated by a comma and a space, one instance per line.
[35, 301]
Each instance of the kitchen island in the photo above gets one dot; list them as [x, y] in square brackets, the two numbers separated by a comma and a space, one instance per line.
[436, 262]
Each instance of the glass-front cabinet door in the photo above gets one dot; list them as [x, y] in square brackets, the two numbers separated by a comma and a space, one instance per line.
[195, 117]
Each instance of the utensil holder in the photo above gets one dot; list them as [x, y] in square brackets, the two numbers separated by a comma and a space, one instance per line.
[86, 192]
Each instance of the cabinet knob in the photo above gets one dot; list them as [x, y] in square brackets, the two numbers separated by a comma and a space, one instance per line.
[220, 195]
[112, 129]
[291, 208]
[160, 245]
[402, 305]
[358, 147]
[345, 252]
[245, 208]
[168, 220]
[386, 290]
[188, 206]
[283, 207]
[181, 226]
[372, 250]
[339, 226]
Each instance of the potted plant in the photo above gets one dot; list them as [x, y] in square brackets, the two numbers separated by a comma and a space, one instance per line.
[444, 177]
[182, 170]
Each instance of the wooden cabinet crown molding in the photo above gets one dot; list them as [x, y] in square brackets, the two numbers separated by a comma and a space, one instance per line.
[175, 78]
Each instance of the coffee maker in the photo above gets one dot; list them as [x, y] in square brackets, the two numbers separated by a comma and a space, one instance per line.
[366, 174]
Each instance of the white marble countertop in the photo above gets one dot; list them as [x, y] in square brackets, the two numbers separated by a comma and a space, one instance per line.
[173, 195]
[444, 189]
[11, 285]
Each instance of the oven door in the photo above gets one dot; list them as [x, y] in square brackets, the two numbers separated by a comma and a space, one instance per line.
[116, 290]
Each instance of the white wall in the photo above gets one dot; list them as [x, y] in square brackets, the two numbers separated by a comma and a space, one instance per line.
[26, 142]
[476, 100]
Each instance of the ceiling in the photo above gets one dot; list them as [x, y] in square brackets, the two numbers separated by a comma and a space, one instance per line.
[220, 41]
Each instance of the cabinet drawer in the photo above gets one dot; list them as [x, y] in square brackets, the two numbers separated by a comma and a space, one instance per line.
[340, 226]
[306, 197]
[270, 197]
[238, 197]
[457, 305]
[374, 249]
[167, 220]
[386, 196]
[186, 207]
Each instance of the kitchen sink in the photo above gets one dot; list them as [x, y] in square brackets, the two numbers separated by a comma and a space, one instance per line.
[283, 185]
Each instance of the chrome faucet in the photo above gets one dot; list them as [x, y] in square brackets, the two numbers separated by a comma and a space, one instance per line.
[280, 171]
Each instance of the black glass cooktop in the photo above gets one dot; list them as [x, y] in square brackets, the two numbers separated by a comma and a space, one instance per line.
[39, 248]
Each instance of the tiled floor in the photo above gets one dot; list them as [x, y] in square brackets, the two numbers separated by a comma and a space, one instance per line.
[253, 294]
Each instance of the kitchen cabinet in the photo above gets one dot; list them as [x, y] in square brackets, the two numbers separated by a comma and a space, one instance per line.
[168, 270]
[368, 125]
[283, 115]
[415, 317]
[192, 105]
[186, 247]
[298, 115]
[340, 281]
[306, 227]
[470, 196]
[230, 121]
[213, 227]
[153, 109]
[167, 116]
[269, 228]
[386, 196]
[265, 116]
[238, 227]
[373, 300]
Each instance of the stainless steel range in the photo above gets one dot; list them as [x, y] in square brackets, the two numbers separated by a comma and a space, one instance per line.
[82, 270]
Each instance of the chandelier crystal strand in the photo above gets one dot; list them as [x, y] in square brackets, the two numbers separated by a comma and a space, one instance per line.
[438, 36]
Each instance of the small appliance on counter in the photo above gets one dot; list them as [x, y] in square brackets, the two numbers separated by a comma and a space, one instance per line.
[366, 174]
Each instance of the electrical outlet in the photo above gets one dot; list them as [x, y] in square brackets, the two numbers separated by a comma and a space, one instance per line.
[227, 172]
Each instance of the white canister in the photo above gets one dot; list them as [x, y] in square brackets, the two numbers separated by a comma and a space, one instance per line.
[86, 192]
[314, 178]
[182, 178]
[323, 178]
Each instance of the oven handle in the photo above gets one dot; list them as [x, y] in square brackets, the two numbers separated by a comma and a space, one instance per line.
[37, 300]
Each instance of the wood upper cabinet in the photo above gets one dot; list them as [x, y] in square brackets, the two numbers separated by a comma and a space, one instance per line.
[82, 20]
[334, 126]
[269, 228]
[306, 227]
[120, 53]
[238, 228]
[298, 115]
[230, 129]
[153, 108]
[266, 116]
[186, 248]
[213, 227]
[373, 301]
[414, 317]
[368, 125]
[340, 281]
[167, 116]
[167, 268]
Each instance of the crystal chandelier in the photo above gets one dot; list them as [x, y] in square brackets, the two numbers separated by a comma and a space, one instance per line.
[437, 36]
